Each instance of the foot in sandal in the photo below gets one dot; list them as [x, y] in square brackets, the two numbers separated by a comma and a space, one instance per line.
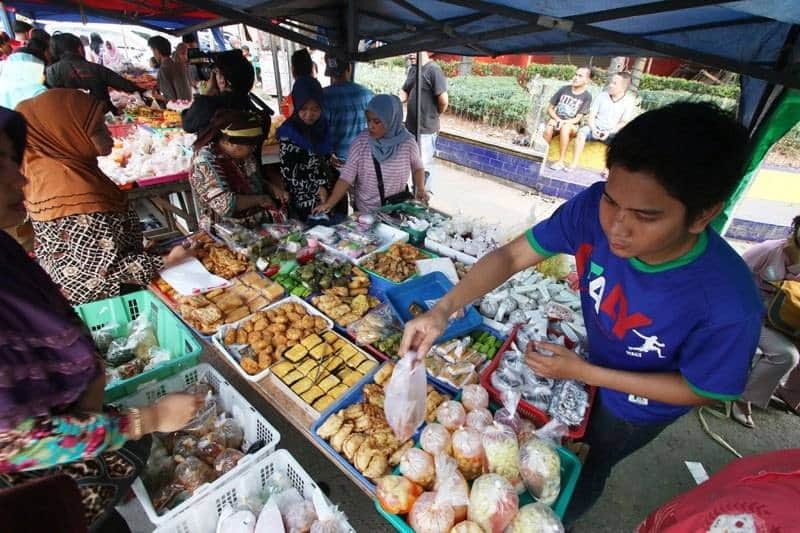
[742, 412]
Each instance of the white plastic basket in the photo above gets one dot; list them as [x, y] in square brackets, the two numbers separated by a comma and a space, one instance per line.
[204, 513]
[255, 428]
[232, 352]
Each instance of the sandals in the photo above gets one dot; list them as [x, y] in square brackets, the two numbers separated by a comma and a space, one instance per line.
[794, 408]
[745, 418]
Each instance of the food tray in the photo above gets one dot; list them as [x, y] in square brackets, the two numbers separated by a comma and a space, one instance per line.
[203, 515]
[255, 426]
[232, 353]
[158, 180]
[416, 237]
[171, 334]
[309, 409]
[355, 395]
[389, 235]
[570, 471]
[381, 284]
[450, 252]
[431, 286]
[534, 413]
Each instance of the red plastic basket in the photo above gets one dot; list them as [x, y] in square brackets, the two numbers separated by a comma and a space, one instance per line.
[120, 131]
[538, 416]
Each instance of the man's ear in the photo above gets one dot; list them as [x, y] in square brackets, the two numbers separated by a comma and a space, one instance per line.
[705, 217]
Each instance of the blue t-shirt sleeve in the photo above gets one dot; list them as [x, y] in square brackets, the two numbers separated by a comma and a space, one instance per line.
[715, 360]
[569, 226]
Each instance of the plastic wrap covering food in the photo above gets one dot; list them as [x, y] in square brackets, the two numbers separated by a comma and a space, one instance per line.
[397, 494]
[479, 419]
[104, 336]
[535, 517]
[430, 516]
[376, 325]
[185, 446]
[540, 464]
[232, 431]
[405, 397]
[493, 503]
[508, 414]
[159, 468]
[474, 397]
[203, 421]
[299, 517]
[468, 452]
[240, 520]
[569, 403]
[467, 527]
[502, 453]
[451, 486]
[417, 465]
[209, 447]
[227, 460]
[435, 439]
[451, 415]
[527, 430]
[192, 473]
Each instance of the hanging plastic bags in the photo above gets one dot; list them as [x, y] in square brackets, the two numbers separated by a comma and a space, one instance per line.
[405, 397]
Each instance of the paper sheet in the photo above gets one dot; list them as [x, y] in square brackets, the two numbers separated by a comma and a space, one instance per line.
[191, 278]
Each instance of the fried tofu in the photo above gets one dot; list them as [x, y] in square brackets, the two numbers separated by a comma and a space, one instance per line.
[292, 377]
[302, 386]
[328, 383]
[312, 394]
[295, 353]
[323, 403]
[311, 341]
[367, 366]
[320, 351]
[352, 378]
[338, 390]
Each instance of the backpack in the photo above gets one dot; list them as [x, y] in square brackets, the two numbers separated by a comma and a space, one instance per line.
[783, 311]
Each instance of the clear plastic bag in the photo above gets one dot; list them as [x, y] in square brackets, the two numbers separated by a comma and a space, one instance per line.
[493, 503]
[451, 415]
[299, 517]
[467, 527]
[239, 520]
[508, 414]
[474, 397]
[501, 449]
[479, 419]
[329, 518]
[527, 431]
[159, 468]
[405, 397]
[203, 421]
[227, 460]
[376, 325]
[397, 494]
[119, 352]
[435, 439]
[540, 464]
[535, 517]
[104, 336]
[209, 447]
[185, 446]
[468, 452]
[430, 516]
[451, 486]
[417, 465]
[231, 431]
[141, 335]
[192, 473]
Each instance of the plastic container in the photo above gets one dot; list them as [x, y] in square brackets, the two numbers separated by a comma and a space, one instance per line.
[426, 288]
[171, 333]
[158, 180]
[388, 235]
[233, 354]
[203, 515]
[539, 417]
[570, 471]
[255, 426]
[356, 395]
[416, 237]
[446, 251]
[380, 285]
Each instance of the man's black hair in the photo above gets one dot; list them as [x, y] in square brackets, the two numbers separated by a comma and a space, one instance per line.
[588, 70]
[236, 70]
[61, 43]
[795, 227]
[161, 44]
[302, 65]
[36, 48]
[20, 26]
[40, 35]
[189, 38]
[696, 151]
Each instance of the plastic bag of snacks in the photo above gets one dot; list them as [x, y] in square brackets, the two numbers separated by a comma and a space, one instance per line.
[227, 460]
[418, 466]
[474, 397]
[329, 518]
[467, 527]
[192, 472]
[300, 517]
[405, 397]
[540, 464]
[451, 415]
[493, 503]
[451, 486]
[508, 414]
[468, 452]
[397, 494]
[231, 431]
[535, 517]
[501, 449]
[431, 515]
[479, 419]
[435, 439]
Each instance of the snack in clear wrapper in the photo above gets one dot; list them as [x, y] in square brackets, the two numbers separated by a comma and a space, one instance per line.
[130, 369]
[467, 527]
[527, 431]
[493, 503]
[227, 460]
[192, 472]
[185, 446]
[141, 336]
[501, 450]
[104, 336]
[479, 419]
[540, 464]
[119, 352]
[435, 439]
[209, 447]
[232, 431]
[451, 486]
[429, 516]
[474, 397]
[508, 414]
[468, 452]
[299, 517]
[569, 403]
[451, 415]
[203, 421]
[159, 468]
[397, 494]
[417, 465]
[535, 517]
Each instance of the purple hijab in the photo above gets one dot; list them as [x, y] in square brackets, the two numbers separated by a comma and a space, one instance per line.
[47, 357]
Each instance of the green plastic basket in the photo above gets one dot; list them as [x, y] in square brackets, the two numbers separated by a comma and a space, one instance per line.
[416, 237]
[172, 335]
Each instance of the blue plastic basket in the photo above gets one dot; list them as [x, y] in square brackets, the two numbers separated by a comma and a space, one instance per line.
[430, 287]
[355, 395]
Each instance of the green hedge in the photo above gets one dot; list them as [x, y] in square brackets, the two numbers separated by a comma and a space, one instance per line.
[496, 99]
[660, 83]
[654, 99]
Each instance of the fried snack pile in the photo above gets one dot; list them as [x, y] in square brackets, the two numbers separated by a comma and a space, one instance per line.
[347, 304]
[397, 264]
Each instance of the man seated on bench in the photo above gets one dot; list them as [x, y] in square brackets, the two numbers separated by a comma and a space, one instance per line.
[566, 110]
[610, 111]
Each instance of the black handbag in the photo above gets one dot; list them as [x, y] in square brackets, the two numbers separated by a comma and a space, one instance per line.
[398, 198]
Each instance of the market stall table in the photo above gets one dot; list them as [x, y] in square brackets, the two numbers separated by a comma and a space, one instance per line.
[156, 192]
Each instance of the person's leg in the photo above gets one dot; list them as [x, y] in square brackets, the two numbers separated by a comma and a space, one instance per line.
[427, 149]
[548, 131]
[779, 358]
[789, 392]
[580, 142]
[565, 134]
[610, 440]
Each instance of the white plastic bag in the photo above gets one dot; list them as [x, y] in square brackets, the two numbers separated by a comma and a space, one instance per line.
[451, 415]
[540, 464]
[493, 503]
[329, 518]
[535, 517]
[405, 397]
[451, 486]
[435, 439]
[508, 414]
[474, 397]
[418, 466]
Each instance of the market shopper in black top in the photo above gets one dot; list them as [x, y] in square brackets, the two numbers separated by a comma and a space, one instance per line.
[228, 88]
[72, 71]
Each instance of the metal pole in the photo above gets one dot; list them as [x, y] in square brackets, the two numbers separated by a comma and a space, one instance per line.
[273, 45]
[418, 90]
[6, 20]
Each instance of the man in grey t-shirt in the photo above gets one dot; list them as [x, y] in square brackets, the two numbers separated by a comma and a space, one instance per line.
[566, 110]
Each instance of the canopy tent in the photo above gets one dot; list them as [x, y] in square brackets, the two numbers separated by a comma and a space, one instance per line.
[756, 38]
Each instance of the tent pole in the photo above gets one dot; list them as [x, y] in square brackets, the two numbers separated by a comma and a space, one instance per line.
[417, 89]
[9, 29]
[273, 46]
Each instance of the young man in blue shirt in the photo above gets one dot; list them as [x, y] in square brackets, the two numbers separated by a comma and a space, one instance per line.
[671, 311]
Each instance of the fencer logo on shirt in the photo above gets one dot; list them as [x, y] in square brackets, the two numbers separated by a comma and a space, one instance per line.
[649, 344]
